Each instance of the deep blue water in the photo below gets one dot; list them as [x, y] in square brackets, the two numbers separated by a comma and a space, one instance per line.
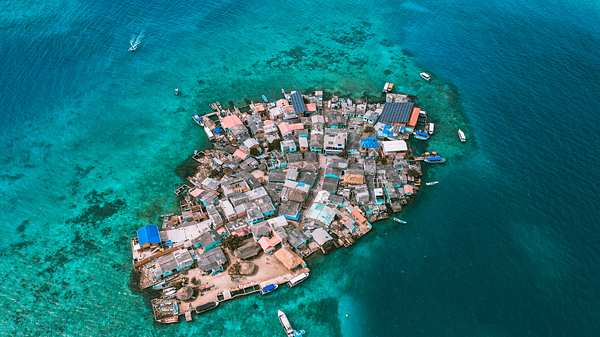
[506, 245]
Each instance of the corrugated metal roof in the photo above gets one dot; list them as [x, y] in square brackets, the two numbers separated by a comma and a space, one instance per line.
[148, 234]
[394, 112]
[298, 102]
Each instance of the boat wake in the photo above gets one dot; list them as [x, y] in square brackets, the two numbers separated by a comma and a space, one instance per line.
[135, 41]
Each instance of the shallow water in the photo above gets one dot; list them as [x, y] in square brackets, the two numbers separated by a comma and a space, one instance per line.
[505, 245]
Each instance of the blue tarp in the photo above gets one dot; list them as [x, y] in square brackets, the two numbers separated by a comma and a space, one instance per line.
[386, 131]
[369, 143]
[148, 234]
[218, 130]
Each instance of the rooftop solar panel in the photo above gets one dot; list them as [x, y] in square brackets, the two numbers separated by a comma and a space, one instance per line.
[394, 112]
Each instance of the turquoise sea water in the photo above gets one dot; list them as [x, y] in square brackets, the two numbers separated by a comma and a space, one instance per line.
[93, 138]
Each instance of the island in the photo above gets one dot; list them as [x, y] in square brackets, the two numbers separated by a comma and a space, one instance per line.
[280, 181]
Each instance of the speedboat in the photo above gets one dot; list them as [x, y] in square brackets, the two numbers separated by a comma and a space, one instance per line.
[135, 42]
[461, 136]
[434, 159]
[133, 46]
[404, 222]
[426, 76]
[177, 92]
[421, 135]
[431, 183]
[269, 288]
[265, 99]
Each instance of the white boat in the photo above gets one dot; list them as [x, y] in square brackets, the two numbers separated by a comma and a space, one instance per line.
[294, 281]
[177, 92]
[431, 183]
[388, 87]
[400, 220]
[285, 323]
[209, 133]
[426, 76]
[169, 292]
[430, 128]
[461, 136]
[198, 119]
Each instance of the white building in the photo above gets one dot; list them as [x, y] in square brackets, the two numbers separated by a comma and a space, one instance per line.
[334, 141]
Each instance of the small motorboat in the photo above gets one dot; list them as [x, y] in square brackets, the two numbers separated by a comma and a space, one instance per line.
[269, 288]
[135, 42]
[287, 326]
[177, 92]
[426, 76]
[198, 119]
[285, 323]
[431, 183]
[430, 128]
[388, 87]
[461, 136]
[434, 159]
[209, 133]
[398, 220]
[133, 46]
[421, 135]
[265, 99]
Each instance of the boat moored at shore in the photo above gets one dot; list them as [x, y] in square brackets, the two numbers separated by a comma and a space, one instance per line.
[434, 159]
[297, 279]
[269, 288]
[198, 120]
[430, 128]
[421, 135]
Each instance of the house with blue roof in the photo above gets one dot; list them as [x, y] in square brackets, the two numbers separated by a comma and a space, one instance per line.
[148, 235]
[369, 143]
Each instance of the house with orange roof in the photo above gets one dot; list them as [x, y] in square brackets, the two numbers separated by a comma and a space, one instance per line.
[231, 121]
[289, 259]
[270, 244]
[241, 153]
[414, 117]
[358, 216]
